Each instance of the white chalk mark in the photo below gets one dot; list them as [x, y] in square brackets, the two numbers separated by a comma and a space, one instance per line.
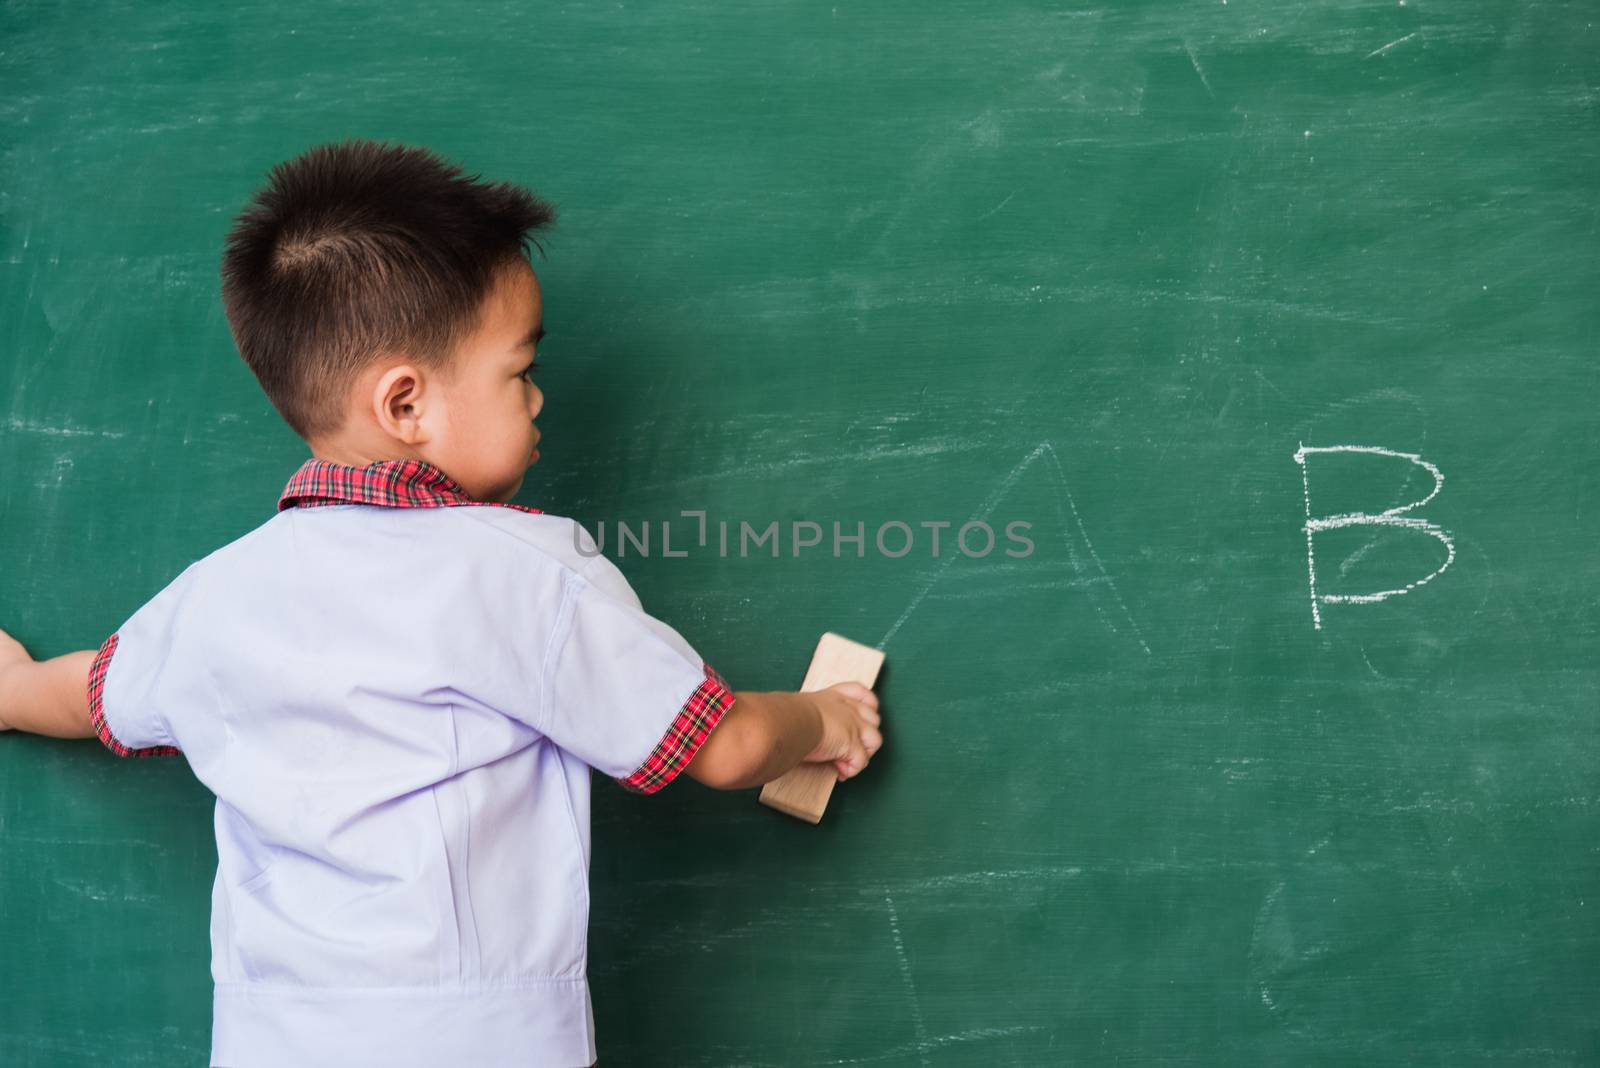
[896, 1053]
[96, 893]
[1198, 69]
[998, 206]
[1391, 44]
[1269, 383]
[1044, 448]
[1262, 916]
[1423, 525]
[1356, 557]
[1389, 517]
[923, 1046]
[983, 512]
[1061, 479]
[1009, 879]
[21, 426]
[1370, 667]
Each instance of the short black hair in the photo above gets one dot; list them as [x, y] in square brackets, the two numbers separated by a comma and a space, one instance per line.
[358, 248]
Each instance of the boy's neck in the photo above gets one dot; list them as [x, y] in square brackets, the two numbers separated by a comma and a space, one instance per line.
[356, 454]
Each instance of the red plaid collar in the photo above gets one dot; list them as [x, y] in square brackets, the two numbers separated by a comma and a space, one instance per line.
[389, 483]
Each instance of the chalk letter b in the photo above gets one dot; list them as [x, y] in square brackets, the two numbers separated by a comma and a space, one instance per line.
[1391, 517]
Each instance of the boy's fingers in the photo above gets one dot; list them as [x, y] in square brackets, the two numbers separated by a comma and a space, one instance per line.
[855, 691]
[851, 765]
[872, 740]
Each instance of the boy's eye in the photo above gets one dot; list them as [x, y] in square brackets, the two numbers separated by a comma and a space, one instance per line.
[527, 371]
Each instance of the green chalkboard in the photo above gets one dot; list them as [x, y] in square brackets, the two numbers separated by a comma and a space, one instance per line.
[1100, 270]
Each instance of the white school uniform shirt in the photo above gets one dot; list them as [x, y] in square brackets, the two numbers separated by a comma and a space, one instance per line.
[396, 697]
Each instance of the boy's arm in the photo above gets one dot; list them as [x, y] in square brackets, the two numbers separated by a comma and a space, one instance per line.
[764, 735]
[46, 696]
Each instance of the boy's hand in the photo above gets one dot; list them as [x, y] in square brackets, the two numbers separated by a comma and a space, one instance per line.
[11, 652]
[850, 727]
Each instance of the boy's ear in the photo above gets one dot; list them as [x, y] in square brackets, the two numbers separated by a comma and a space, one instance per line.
[399, 400]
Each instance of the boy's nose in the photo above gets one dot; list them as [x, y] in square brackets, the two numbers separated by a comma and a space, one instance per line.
[535, 403]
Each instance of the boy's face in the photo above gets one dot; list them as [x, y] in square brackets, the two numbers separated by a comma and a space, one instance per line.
[486, 439]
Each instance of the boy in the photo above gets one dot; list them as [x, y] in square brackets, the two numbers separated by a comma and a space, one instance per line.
[397, 685]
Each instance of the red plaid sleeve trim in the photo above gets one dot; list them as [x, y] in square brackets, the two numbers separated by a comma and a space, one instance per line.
[700, 713]
[388, 483]
[97, 713]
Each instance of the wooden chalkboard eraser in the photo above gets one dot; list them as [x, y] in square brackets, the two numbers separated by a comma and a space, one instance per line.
[803, 792]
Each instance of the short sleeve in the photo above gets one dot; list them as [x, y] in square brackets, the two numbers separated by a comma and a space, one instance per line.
[132, 734]
[136, 679]
[626, 694]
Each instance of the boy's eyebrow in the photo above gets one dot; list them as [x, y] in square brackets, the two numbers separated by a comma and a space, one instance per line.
[535, 335]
